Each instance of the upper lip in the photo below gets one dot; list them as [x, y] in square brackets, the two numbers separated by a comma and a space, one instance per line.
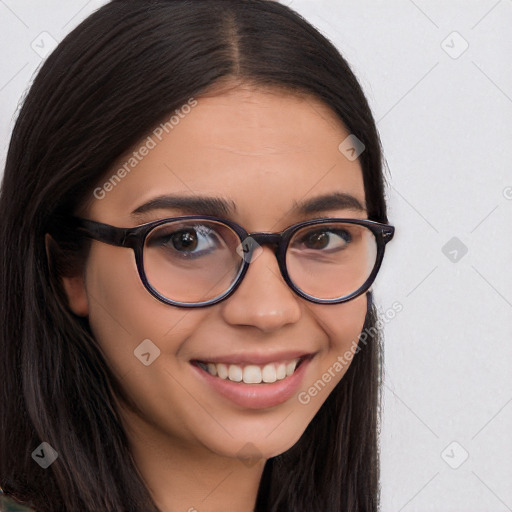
[255, 357]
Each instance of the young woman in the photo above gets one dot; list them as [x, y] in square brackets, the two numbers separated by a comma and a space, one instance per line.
[192, 216]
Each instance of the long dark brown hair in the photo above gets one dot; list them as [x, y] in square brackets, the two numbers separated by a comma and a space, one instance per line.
[107, 85]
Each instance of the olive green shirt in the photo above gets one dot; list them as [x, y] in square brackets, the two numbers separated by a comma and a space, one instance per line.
[9, 505]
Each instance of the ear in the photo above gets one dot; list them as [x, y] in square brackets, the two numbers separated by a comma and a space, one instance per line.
[74, 286]
[76, 293]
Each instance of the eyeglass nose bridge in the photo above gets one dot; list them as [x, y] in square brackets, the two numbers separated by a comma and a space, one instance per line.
[255, 240]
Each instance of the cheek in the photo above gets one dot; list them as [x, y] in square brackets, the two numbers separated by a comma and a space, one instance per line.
[122, 313]
[343, 323]
[128, 323]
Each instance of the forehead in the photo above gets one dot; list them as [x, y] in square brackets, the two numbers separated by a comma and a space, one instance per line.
[261, 150]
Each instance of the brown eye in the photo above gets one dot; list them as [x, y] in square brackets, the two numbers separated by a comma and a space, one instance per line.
[326, 239]
[184, 240]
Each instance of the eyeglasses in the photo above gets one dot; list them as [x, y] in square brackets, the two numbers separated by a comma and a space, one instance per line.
[198, 261]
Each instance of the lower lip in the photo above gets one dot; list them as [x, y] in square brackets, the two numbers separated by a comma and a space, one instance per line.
[256, 396]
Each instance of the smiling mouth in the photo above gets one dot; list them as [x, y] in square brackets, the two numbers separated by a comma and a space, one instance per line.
[252, 373]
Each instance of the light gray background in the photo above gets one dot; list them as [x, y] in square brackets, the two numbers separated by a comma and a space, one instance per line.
[444, 113]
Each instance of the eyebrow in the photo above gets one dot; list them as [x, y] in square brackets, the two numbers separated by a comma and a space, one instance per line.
[220, 207]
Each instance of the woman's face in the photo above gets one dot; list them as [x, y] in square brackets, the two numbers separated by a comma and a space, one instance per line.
[263, 153]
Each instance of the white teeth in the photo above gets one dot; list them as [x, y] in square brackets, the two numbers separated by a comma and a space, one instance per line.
[235, 373]
[281, 372]
[290, 368]
[222, 370]
[269, 373]
[252, 374]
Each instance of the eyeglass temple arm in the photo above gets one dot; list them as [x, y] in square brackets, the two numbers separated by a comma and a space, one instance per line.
[121, 237]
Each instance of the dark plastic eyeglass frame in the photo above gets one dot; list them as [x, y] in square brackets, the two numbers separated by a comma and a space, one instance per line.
[135, 238]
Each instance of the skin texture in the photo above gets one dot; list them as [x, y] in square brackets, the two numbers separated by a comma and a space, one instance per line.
[263, 150]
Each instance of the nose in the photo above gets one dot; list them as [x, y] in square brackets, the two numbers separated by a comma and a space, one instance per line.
[263, 299]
